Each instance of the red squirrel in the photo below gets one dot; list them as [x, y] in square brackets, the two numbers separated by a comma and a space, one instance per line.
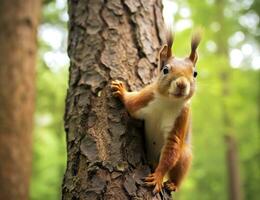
[164, 105]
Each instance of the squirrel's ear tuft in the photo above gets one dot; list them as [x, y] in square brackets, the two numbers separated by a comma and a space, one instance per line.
[196, 37]
[163, 56]
[166, 50]
[170, 38]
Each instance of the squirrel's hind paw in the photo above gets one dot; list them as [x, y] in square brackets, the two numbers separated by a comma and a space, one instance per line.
[154, 180]
[170, 186]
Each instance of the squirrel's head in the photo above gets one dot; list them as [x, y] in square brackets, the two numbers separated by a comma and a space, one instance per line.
[177, 75]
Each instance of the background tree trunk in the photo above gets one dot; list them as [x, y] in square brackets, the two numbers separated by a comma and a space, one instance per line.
[234, 186]
[18, 24]
[108, 40]
[233, 169]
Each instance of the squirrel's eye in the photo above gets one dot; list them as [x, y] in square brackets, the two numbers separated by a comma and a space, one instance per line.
[165, 69]
[195, 74]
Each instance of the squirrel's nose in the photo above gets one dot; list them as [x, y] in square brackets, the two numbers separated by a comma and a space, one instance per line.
[181, 85]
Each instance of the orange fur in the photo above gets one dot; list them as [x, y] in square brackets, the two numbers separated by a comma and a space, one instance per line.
[173, 152]
[178, 172]
[133, 101]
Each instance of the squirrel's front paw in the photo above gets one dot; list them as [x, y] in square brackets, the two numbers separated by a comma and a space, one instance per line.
[155, 179]
[118, 89]
[170, 186]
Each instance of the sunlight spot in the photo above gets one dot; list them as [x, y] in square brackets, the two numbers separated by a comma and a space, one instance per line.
[256, 62]
[236, 58]
[228, 12]
[44, 119]
[210, 2]
[249, 20]
[61, 4]
[211, 46]
[185, 12]
[247, 49]
[247, 3]
[236, 38]
[215, 26]
[183, 24]
[169, 9]
[55, 60]
[64, 16]
[51, 35]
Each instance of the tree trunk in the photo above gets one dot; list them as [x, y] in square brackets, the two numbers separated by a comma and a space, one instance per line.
[235, 190]
[233, 169]
[108, 40]
[18, 24]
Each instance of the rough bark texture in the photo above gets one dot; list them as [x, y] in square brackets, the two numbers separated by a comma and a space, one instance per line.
[114, 39]
[18, 24]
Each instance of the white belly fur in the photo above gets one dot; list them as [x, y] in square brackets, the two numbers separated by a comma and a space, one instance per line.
[159, 116]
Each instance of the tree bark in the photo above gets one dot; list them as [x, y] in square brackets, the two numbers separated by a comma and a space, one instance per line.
[108, 40]
[18, 24]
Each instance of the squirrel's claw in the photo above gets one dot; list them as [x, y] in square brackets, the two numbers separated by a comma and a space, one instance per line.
[154, 180]
[117, 82]
[157, 189]
[118, 88]
[170, 186]
[117, 94]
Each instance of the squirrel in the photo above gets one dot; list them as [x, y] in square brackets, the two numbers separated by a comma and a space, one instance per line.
[164, 105]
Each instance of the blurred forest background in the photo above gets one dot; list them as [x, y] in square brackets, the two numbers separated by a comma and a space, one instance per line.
[226, 104]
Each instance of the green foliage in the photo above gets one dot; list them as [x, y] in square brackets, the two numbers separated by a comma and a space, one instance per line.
[49, 137]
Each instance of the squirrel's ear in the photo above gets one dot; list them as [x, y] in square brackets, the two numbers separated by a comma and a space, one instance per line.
[166, 50]
[196, 37]
[164, 54]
